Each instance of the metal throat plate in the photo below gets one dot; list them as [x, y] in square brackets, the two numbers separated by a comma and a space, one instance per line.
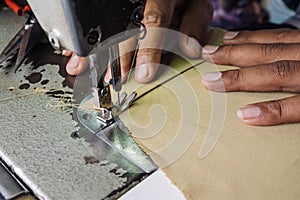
[111, 139]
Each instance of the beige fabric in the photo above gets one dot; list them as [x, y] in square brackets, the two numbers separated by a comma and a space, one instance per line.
[247, 162]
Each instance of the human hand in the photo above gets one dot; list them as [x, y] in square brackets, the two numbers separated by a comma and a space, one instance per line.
[269, 60]
[191, 17]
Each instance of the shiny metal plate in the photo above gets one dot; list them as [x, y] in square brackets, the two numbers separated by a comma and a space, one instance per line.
[10, 187]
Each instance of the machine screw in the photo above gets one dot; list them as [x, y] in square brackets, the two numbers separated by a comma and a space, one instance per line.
[75, 135]
[138, 16]
[93, 38]
[54, 39]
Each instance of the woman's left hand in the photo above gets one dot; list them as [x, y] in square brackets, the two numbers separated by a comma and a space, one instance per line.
[269, 60]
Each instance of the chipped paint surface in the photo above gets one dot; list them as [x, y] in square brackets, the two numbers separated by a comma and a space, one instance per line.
[35, 141]
[39, 147]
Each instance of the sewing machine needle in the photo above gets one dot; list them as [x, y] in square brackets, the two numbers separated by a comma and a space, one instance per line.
[115, 66]
[119, 102]
[94, 76]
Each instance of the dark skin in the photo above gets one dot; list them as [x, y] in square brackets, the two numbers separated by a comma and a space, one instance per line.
[182, 14]
[268, 61]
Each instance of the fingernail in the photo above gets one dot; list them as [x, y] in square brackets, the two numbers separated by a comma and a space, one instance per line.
[73, 63]
[193, 44]
[210, 49]
[107, 78]
[230, 35]
[64, 52]
[212, 76]
[249, 112]
[143, 71]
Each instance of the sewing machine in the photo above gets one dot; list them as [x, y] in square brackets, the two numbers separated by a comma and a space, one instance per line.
[260, 159]
[82, 26]
[91, 29]
[87, 28]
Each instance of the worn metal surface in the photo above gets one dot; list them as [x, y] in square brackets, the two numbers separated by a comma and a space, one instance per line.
[35, 134]
[9, 186]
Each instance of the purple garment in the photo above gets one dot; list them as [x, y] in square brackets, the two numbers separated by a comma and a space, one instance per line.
[240, 15]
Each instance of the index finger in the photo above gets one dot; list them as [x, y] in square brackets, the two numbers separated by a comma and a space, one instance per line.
[158, 14]
[263, 36]
[245, 55]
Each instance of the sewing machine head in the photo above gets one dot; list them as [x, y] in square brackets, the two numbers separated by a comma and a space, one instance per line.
[81, 26]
